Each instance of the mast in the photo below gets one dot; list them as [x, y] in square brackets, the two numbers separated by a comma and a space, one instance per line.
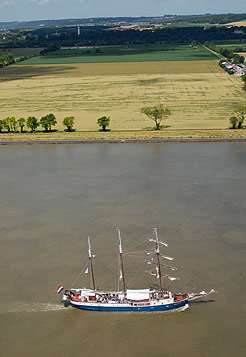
[157, 252]
[91, 265]
[121, 261]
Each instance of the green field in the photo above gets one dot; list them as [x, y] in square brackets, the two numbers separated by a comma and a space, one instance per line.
[133, 53]
[25, 51]
[230, 44]
[21, 51]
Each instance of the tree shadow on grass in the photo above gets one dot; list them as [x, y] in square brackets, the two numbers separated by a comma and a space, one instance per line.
[29, 132]
[4, 132]
[151, 128]
[70, 131]
[47, 131]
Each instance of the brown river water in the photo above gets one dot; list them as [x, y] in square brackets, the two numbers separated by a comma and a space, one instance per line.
[54, 196]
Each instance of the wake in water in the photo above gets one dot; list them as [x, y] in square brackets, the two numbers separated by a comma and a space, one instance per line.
[175, 311]
[33, 307]
[46, 307]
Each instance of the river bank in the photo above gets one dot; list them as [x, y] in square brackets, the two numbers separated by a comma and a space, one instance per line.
[79, 137]
[123, 141]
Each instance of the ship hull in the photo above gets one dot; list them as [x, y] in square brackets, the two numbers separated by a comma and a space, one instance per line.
[129, 308]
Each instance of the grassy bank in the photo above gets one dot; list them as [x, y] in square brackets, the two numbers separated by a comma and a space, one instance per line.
[208, 133]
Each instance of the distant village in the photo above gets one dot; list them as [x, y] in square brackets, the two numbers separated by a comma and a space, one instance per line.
[236, 69]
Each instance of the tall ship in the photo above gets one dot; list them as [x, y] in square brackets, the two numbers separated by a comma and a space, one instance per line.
[135, 300]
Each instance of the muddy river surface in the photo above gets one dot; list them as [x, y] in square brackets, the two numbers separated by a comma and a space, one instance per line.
[54, 196]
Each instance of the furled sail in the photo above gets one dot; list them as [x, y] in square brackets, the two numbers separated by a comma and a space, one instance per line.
[160, 242]
[166, 257]
[171, 278]
[151, 261]
[156, 273]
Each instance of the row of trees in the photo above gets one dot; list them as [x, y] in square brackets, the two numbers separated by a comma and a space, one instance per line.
[156, 113]
[8, 59]
[13, 125]
[225, 52]
[47, 122]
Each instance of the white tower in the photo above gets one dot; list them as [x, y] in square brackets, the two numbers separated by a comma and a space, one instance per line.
[78, 30]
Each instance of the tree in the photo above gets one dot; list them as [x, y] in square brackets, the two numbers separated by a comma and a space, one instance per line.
[233, 121]
[103, 122]
[1, 125]
[193, 44]
[68, 122]
[240, 114]
[6, 124]
[241, 59]
[50, 48]
[21, 123]
[236, 58]
[157, 114]
[244, 81]
[10, 124]
[13, 124]
[48, 121]
[32, 123]
[44, 123]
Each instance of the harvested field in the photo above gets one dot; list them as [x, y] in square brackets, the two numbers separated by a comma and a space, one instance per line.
[16, 72]
[200, 94]
[242, 54]
[236, 23]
